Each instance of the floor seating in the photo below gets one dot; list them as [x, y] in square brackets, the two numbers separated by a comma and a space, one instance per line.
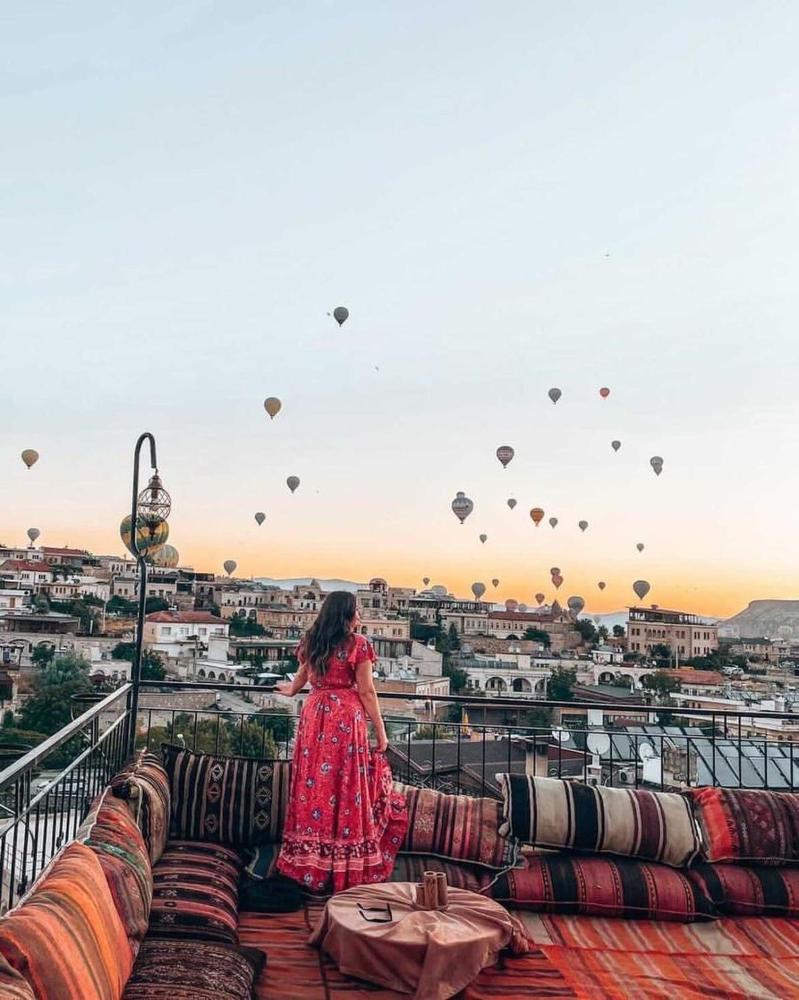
[144, 904]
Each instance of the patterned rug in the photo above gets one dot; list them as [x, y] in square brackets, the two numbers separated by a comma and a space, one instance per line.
[573, 958]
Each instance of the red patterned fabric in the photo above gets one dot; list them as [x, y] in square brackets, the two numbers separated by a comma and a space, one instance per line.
[196, 892]
[602, 886]
[144, 783]
[750, 891]
[745, 825]
[345, 821]
[193, 970]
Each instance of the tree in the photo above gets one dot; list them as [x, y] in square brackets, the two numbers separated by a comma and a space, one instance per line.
[242, 628]
[661, 684]
[43, 655]
[119, 605]
[586, 629]
[602, 633]
[68, 668]
[152, 666]
[153, 604]
[8, 719]
[538, 635]
[220, 735]
[40, 604]
[661, 651]
[561, 683]
[458, 679]
[278, 721]
[454, 640]
[618, 632]
[124, 651]
[536, 718]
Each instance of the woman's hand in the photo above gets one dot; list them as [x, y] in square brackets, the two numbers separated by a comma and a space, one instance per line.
[381, 744]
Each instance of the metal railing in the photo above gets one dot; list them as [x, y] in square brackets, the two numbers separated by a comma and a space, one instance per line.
[40, 812]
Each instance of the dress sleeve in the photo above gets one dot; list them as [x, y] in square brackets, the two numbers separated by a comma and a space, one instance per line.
[363, 652]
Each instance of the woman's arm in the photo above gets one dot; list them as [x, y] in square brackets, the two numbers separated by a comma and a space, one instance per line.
[368, 695]
[299, 682]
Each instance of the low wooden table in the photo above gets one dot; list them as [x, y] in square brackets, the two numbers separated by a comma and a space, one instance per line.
[377, 933]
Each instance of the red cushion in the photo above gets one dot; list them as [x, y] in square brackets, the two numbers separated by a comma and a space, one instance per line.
[196, 892]
[744, 825]
[604, 887]
[750, 890]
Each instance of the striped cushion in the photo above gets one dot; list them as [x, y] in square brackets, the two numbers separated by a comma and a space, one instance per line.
[227, 800]
[549, 812]
[190, 970]
[144, 783]
[456, 827]
[12, 985]
[196, 892]
[111, 832]
[744, 825]
[753, 891]
[604, 887]
[67, 939]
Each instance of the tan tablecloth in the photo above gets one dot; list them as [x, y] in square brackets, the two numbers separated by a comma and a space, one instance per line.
[430, 953]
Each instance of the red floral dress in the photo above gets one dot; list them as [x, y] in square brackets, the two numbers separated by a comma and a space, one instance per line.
[345, 823]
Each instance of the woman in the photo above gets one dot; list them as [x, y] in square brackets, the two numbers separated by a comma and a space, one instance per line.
[345, 823]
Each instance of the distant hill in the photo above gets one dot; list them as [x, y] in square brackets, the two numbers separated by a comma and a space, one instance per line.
[766, 619]
[304, 581]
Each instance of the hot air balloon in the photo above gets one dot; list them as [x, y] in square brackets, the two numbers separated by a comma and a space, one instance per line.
[483, 539]
[582, 525]
[522, 608]
[272, 405]
[478, 589]
[151, 534]
[229, 566]
[439, 591]
[640, 546]
[511, 503]
[553, 522]
[554, 571]
[30, 457]
[495, 583]
[166, 557]
[537, 515]
[615, 445]
[505, 453]
[260, 517]
[33, 534]
[554, 394]
[557, 580]
[575, 605]
[341, 314]
[657, 464]
[511, 605]
[462, 506]
[601, 585]
[293, 482]
[540, 599]
[604, 392]
[426, 580]
[641, 588]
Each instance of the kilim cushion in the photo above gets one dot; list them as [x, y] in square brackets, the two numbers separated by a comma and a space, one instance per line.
[744, 825]
[67, 939]
[604, 887]
[632, 822]
[111, 832]
[460, 875]
[196, 892]
[12, 985]
[227, 800]
[754, 891]
[193, 970]
[456, 827]
[145, 785]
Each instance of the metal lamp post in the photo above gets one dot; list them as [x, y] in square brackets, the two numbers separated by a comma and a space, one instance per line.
[152, 508]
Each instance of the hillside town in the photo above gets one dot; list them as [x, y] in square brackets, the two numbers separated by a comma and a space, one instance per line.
[222, 634]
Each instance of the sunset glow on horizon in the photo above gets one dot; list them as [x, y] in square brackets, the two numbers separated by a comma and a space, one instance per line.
[573, 196]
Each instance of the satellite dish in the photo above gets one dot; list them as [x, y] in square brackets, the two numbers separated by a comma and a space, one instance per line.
[646, 751]
[598, 743]
[560, 734]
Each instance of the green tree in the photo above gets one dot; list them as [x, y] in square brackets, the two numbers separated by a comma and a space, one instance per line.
[458, 679]
[40, 604]
[220, 735]
[661, 684]
[586, 629]
[118, 605]
[153, 604]
[454, 639]
[152, 666]
[560, 686]
[124, 651]
[661, 651]
[538, 635]
[8, 719]
[67, 668]
[618, 632]
[602, 633]
[242, 628]
[536, 718]
[278, 721]
[43, 655]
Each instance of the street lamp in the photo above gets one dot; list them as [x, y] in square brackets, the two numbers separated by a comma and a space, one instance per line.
[146, 532]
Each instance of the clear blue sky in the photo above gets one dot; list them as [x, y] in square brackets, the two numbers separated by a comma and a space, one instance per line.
[188, 189]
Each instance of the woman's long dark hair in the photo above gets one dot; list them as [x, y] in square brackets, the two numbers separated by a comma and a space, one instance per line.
[330, 629]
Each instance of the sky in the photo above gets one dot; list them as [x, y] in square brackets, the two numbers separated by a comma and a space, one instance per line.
[506, 197]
